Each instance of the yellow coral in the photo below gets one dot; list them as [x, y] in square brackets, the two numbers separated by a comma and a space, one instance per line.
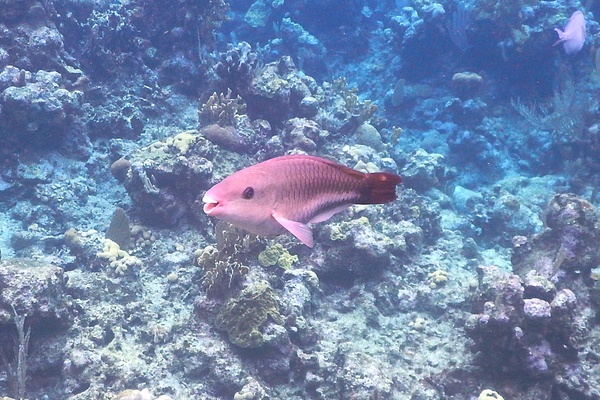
[118, 259]
[277, 255]
[286, 260]
[337, 233]
[366, 167]
[312, 279]
[183, 141]
[418, 324]
[437, 278]
[340, 231]
[111, 251]
[72, 239]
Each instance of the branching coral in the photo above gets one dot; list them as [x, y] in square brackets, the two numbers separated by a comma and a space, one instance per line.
[237, 66]
[222, 265]
[221, 271]
[118, 259]
[364, 110]
[221, 109]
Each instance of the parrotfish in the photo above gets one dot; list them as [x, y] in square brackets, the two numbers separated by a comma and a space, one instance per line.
[286, 193]
[573, 36]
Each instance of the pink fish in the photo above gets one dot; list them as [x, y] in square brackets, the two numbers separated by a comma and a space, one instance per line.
[285, 193]
[573, 36]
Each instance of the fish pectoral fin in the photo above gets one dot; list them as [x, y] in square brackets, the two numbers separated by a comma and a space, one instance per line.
[326, 214]
[298, 229]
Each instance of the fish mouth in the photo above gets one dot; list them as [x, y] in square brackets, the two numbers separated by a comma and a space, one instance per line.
[210, 204]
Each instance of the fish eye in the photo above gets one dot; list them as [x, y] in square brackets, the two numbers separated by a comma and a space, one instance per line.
[248, 193]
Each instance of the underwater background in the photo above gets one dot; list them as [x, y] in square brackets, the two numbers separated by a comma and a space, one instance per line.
[481, 281]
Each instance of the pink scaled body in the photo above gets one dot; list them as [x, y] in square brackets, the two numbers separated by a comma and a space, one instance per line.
[573, 37]
[286, 193]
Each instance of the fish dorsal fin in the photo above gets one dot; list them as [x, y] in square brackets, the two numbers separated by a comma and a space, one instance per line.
[326, 214]
[342, 168]
[347, 170]
[298, 229]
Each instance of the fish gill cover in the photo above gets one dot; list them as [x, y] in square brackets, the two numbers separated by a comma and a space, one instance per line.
[481, 280]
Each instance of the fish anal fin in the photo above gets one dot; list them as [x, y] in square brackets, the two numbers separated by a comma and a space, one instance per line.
[561, 36]
[298, 229]
[326, 214]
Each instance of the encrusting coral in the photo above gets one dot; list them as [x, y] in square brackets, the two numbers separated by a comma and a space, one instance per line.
[243, 317]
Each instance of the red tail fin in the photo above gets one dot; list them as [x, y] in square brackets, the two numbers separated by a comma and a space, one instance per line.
[379, 188]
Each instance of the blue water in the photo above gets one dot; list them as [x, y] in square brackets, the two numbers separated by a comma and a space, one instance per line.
[479, 282]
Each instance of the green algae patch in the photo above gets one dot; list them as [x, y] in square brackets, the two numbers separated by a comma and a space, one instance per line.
[242, 317]
[341, 231]
[277, 255]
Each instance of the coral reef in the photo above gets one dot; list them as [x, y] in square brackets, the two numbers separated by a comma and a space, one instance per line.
[118, 259]
[223, 265]
[244, 316]
[539, 322]
[221, 109]
[160, 176]
[480, 281]
[237, 68]
[33, 289]
[424, 171]
[277, 255]
[567, 244]
[37, 108]
[35, 293]
[528, 325]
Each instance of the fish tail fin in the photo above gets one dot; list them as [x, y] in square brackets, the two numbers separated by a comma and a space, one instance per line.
[380, 188]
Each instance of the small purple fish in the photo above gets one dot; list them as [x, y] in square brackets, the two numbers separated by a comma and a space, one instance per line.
[573, 36]
[286, 193]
